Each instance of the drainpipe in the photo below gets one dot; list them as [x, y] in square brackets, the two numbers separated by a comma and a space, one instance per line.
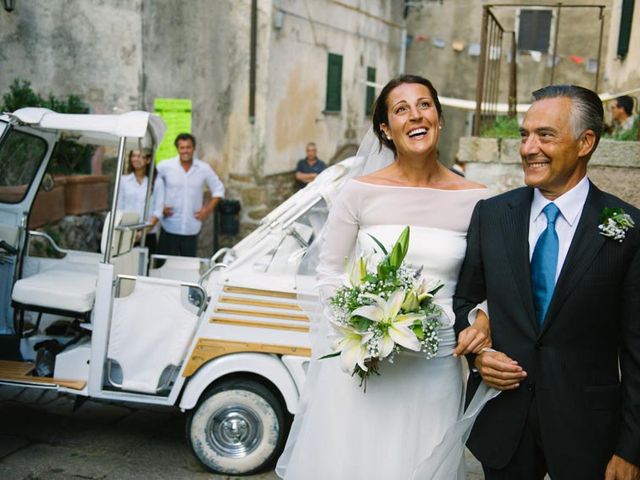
[253, 61]
[403, 42]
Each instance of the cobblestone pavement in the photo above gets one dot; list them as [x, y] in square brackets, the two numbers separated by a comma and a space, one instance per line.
[41, 437]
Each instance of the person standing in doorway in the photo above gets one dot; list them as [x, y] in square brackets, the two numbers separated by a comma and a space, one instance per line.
[184, 178]
[309, 167]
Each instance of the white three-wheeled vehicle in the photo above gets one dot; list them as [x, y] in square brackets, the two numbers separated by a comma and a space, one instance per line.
[224, 339]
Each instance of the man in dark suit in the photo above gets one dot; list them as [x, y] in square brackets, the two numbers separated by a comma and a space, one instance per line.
[564, 307]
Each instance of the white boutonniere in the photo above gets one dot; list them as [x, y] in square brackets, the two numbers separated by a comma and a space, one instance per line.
[615, 223]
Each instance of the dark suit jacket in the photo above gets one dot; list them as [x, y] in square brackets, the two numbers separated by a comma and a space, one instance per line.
[587, 411]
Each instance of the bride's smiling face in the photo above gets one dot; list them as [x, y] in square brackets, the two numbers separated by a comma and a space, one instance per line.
[414, 123]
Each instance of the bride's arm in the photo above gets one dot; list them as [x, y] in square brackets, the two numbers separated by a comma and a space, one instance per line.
[338, 242]
[474, 336]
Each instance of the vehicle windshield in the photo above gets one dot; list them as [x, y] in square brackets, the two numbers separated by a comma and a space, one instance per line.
[287, 257]
[20, 157]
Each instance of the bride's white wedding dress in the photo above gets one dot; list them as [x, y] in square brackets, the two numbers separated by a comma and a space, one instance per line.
[409, 424]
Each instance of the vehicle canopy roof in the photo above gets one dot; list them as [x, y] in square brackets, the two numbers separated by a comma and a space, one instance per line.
[139, 127]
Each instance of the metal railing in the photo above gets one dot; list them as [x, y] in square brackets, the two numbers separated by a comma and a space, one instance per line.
[492, 43]
[492, 40]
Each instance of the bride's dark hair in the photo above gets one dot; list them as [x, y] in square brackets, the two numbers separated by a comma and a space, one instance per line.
[380, 107]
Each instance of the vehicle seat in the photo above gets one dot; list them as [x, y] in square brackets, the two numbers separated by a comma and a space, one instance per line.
[151, 330]
[67, 286]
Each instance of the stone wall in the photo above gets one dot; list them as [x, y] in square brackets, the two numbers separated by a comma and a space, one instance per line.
[257, 198]
[614, 167]
[73, 232]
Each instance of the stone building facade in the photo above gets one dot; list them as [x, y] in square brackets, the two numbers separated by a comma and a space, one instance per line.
[252, 120]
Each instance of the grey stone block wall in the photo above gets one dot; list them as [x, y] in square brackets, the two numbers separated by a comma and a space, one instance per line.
[614, 167]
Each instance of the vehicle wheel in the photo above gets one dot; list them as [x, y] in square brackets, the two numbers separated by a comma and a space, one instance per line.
[238, 427]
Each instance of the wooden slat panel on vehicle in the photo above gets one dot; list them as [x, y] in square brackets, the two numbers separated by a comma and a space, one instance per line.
[19, 372]
[8, 367]
[260, 292]
[256, 324]
[262, 314]
[207, 349]
[254, 302]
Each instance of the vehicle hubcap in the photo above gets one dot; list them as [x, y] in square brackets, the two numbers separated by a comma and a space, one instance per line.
[234, 431]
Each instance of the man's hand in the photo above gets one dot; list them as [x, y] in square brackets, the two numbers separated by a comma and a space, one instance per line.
[475, 338]
[167, 211]
[499, 371]
[202, 214]
[619, 469]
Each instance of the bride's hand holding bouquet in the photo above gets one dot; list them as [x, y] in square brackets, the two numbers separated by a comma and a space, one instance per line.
[382, 311]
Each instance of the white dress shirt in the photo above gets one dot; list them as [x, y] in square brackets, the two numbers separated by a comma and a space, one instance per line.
[183, 193]
[133, 195]
[570, 205]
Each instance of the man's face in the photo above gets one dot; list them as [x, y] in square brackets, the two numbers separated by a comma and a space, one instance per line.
[552, 159]
[312, 151]
[617, 112]
[185, 150]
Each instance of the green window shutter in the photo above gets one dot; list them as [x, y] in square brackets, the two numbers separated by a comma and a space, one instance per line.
[625, 28]
[371, 91]
[334, 83]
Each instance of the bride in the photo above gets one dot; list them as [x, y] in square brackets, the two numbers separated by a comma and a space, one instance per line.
[410, 423]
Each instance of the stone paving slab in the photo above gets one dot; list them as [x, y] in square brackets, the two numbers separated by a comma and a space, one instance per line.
[42, 437]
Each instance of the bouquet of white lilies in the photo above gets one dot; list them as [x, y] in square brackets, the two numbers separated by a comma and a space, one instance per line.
[383, 310]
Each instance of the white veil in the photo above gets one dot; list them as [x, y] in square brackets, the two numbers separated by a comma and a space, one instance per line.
[375, 154]
[371, 156]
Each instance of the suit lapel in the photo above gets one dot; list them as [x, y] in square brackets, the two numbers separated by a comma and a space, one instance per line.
[515, 225]
[584, 247]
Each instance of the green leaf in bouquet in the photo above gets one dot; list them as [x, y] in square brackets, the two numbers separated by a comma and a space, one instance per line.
[436, 289]
[360, 323]
[419, 331]
[400, 249]
[330, 355]
[384, 269]
[379, 243]
[371, 278]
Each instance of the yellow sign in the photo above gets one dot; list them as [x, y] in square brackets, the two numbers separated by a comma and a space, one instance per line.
[176, 113]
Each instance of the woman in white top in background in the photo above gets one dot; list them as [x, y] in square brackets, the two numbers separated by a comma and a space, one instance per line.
[133, 193]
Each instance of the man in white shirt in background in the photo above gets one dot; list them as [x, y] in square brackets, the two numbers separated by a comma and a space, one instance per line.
[183, 178]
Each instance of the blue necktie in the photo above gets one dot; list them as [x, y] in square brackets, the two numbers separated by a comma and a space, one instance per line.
[544, 263]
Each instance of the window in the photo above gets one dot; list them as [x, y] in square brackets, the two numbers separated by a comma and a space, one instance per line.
[20, 157]
[625, 28]
[534, 30]
[371, 91]
[334, 83]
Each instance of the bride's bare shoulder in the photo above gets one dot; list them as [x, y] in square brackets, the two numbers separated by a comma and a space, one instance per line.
[459, 182]
[469, 185]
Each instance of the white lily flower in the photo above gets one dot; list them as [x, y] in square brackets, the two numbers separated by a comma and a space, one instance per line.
[352, 346]
[397, 331]
[357, 270]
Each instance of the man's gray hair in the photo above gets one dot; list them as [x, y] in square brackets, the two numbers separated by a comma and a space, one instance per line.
[587, 112]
